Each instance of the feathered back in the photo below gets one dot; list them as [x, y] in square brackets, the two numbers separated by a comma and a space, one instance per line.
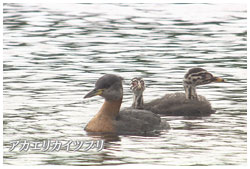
[176, 104]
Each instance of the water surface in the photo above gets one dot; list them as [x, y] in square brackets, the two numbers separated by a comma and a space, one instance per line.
[53, 54]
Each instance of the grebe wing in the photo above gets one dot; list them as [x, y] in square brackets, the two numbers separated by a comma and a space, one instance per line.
[142, 122]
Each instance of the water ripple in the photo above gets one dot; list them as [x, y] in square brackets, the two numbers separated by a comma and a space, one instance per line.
[53, 56]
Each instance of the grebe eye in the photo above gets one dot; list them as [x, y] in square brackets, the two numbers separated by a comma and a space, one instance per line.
[208, 76]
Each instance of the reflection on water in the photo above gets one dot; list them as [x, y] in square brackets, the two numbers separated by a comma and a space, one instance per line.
[53, 55]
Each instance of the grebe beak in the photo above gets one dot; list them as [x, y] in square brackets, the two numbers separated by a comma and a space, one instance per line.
[218, 79]
[94, 92]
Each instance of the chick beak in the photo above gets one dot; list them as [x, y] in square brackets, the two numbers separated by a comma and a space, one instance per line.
[218, 79]
[94, 92]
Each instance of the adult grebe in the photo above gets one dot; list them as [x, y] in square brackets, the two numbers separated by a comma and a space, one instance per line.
[188, 103]
[128, 121]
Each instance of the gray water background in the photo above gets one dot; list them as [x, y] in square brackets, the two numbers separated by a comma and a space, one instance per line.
[53, 54]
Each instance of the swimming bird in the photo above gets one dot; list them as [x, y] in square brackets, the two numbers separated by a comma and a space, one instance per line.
[110, 119]
[188, 103]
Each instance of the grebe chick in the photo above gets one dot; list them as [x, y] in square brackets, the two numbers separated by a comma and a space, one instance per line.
[188, 103]
[137, 87]
[126, 122]
[136, 111]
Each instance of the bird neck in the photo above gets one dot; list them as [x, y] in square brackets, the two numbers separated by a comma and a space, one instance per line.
[110, 108]
[138, 101]
[190, 91]
[103, 121]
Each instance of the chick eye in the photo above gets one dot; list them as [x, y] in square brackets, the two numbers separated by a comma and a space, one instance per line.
[142, 82]
[208, 76]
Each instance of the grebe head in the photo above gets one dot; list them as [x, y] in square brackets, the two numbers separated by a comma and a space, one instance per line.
[137, 85]
[198, 76]
[109, 87]
[195, 77]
